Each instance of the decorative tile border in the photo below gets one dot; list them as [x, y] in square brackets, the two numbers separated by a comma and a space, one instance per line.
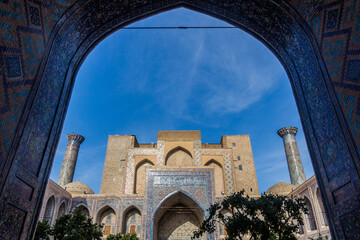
[130, 168]
[228, 166]
[163, 183]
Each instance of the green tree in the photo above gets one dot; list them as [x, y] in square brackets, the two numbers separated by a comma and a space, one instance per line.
[119, 236]
[42, 231]
[76, 225]
[267, 217]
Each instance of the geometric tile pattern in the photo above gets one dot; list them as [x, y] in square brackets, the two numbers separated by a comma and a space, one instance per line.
[197, 152]
[165, 183]
[130, 167]
[229, 175]
[26, 27]
[160, 157]
[178, 226]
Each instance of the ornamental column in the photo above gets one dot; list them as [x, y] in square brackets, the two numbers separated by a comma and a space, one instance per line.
[68, 166]
[296, 169]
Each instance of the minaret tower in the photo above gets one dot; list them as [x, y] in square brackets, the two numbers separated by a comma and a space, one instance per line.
[296, 169]
[68, 166]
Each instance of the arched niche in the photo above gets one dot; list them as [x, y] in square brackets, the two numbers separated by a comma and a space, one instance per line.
[322, 214]
[140, 176]
[179, 156]
[177, 217]
[132, 221]
[61, 210]
[49, 210]
[219, 179]
[107, 216]
[83, 209]
[310, 217]
[273, 22]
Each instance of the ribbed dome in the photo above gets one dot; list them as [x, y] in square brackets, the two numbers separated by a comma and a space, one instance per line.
[281, 188]
[78, 188]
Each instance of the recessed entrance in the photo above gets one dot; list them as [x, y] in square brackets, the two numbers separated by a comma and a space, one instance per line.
[177, 218]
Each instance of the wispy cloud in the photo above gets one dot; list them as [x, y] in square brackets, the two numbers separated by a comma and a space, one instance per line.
[199, 73]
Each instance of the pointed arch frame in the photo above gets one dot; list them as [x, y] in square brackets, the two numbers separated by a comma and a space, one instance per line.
[169, 197]
[138, 165]
[123, 216]
[273, 22]
[81, 205]
[53, 211]
[174, 150]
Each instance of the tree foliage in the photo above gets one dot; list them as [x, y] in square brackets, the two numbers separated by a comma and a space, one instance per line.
[42, 231]
[75, 225]
[267, 217]
[119, 236]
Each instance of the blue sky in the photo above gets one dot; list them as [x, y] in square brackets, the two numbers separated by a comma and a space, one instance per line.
[219, 81]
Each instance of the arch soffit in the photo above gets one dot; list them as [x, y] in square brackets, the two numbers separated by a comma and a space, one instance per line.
[126, 211]
[310, 202]
[141, 162]
[175, 149]
[61, 203]
[103, 209]
[80, 205]
[173, 194]
[52, 196]
[129, 208]
[213, 161]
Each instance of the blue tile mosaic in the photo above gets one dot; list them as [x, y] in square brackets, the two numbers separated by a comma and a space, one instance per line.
[13, 66]
[332, 19]
[300, 33]
[34, 13]
[353, 73]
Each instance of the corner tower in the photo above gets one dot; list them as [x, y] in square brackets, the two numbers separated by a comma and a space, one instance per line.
[296, 169]
[68, 166]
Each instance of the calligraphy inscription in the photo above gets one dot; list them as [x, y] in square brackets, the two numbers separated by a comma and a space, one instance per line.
[180, 180]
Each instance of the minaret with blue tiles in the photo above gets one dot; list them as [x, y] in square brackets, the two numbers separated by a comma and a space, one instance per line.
[296, 169]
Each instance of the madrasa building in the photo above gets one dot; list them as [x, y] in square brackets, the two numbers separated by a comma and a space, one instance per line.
[162, 190]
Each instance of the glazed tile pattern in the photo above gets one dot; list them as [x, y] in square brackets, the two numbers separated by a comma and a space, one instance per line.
[130, 169]
[163, 183]
[296, 169]
[114, 204]
[160, 156]
[68, 165]
[319, 48]
[197, 152]
[229, 175]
